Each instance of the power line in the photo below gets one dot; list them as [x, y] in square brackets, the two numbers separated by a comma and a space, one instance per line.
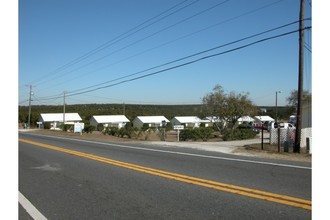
[190, 56]
[180, 38]
[188, 63]
[142, 39]
[120, 37]
[24, 101]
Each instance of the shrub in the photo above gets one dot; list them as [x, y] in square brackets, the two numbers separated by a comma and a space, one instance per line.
[120, 132]
[100, 127]
[238, 134]
[113, 131]
[47, 125]
[65, 127]
[129, 130]
[145, 127]
[203, 133]
[89, 128]
[186, 134]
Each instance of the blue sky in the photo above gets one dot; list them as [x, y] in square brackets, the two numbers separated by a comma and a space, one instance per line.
[79, 45]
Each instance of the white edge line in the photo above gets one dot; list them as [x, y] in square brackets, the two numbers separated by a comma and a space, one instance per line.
[27, 205]
[181, 153]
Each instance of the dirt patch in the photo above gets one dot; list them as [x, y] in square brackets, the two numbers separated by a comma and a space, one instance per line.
[271, 151]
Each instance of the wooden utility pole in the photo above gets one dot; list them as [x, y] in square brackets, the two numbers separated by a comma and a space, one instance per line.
[29, 117]
[63, 109]
[300, 77]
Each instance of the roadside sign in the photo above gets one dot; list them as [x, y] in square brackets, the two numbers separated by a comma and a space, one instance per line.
[78, 127]
[178, 127]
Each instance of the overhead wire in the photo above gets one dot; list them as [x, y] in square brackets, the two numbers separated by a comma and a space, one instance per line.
[142, 39]
[23, 101]
[186, 57]
[120, 78]
[182, 37]
[187, 63]
[120, 37]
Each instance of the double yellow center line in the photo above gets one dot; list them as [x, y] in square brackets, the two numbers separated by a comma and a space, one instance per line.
[258, 194]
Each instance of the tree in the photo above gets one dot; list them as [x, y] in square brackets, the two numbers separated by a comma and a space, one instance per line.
[228, 107]
[293, 98]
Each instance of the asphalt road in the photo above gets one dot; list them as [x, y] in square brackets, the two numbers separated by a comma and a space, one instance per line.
[76, 179]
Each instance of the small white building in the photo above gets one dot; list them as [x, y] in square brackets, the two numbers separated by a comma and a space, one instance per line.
[215, 120]
[263, 119]
[187, 121]
[118, 121]
[150, 121]
[246, 119]
[55, 119]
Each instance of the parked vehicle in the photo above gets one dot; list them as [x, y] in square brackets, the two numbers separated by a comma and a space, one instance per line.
[293, 119]
[248, 126]
[286, 125]
[260, 126]
[281, 125]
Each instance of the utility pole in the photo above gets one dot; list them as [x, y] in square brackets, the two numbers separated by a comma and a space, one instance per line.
[276, 105]
[63, 109]
[29, 117]
[300, 77]
[277, 124]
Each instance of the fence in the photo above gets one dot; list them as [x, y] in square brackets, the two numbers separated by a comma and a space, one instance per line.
[288, 135]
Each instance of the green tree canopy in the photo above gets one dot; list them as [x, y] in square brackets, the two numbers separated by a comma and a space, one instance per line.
[292, 99]
[228, 107]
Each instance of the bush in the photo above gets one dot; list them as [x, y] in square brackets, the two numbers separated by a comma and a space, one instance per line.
[100, 127]
[65, 127]
[47, 125]
[113, 131]
[238, 134]
[145, 127]
[186, 134]
[120, 132]
[203, 133]
[89, 128]
[129, 130]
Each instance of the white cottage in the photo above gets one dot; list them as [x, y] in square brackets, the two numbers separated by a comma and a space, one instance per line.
[187, 121]
[151, 121]
[55, 119]
[263, 119]
[245, 119]
[118, 121]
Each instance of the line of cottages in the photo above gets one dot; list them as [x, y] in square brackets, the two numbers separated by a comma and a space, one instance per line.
[119, 121]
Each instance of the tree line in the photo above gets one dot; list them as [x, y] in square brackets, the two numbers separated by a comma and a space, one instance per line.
[226, 106]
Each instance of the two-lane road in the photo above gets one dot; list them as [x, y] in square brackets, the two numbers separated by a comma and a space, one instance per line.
[76, 179]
